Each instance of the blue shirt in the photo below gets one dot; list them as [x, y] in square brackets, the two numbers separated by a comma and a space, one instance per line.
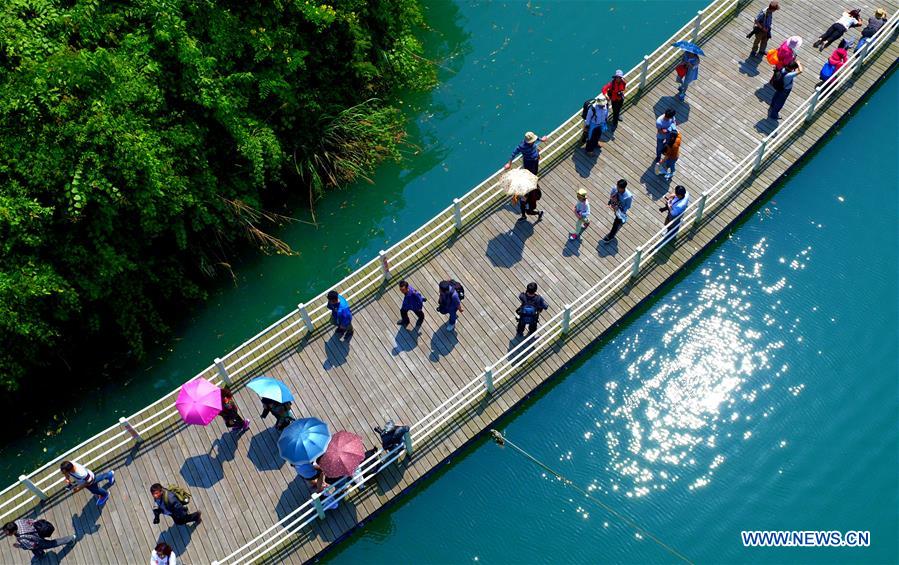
[764, 19]
[528, 151]
[340, 311]
[663, 123]
[412, 300]
[624, 200]
[788, 79]
[677, 206]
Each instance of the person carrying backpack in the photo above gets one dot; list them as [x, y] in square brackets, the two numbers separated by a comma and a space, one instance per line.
[173, 501]
[595, 122]
[783, 85]
[836, 60]
[529, 311]
[450, 302]
[34, 535]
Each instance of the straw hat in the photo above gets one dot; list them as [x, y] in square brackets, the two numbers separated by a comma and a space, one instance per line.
[880, 14]
[582, 192]
[602, 100]
[530, 137]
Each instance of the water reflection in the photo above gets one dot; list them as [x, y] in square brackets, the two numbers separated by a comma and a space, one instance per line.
[680, 396]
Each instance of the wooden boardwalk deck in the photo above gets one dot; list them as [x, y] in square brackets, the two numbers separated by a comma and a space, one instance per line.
[243, 487]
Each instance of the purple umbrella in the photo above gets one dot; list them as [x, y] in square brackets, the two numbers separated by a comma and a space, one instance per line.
[199, 402]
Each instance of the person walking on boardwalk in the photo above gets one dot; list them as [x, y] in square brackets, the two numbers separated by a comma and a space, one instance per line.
[690, 64]
[582, 215]
[663, 122]
[341, 315]
[528, 205]
[874, 25]
[529, 310]
[280, 410]
[412, 301]
[230, 414]
[836, 30]
[79, 477]
[450, 303]
[530, 153]
[163, 554]
[595, 122]
[670, 154]
[783, 85]
[620, 200]
[614, 89]
[675, 205]
[761, 29]
[34, 536]
[173, 501]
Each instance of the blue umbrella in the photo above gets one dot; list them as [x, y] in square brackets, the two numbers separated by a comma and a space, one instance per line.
[689, 47]
[270, 388]
[304, 440]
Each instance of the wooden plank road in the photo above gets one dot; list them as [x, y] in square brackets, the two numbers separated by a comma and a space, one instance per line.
[240, 483]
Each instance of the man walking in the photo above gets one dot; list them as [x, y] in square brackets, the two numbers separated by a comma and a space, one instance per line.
[783, 85]
[449, 303]
[529, 311]
[675, 205]
[761, 29]
[528, 205]
[174, 504]
[615, 91]
[33, 535]
[582, 213]
[620, 200]
[341, 315]
[80, 477]
[412, 300]
[530, 154]
[663, 122]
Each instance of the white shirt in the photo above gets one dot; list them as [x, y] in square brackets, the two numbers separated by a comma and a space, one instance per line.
[81, 475]
[156, 559]
[846, 20]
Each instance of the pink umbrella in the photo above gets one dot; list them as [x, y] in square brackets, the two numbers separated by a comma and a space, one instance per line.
[199, 402]
[343, 455]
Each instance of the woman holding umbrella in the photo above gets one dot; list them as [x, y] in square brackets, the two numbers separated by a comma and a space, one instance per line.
[276, 400]
[688, 70]
[522, 185]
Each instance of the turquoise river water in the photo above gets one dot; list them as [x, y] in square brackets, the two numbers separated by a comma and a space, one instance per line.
[758, 392]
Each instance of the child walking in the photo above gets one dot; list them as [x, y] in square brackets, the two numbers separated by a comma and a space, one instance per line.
[582, 212]
[230, 414]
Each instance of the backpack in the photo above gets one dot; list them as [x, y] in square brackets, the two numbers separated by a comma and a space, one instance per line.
[777, 81]
[43, 528]
[460, 290]
[528, 313]
[181, 493]
[587, 105]
[827, 70]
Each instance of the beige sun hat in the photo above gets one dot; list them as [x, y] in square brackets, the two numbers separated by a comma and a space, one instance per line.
[582, 192]
[880, 14]
[602, 99]
[530, 137]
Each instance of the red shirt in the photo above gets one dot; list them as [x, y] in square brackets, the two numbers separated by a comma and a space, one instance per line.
[615, 90]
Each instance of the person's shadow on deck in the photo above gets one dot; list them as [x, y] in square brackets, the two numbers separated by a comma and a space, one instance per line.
[572, 247]
[682, 108]
[294, 495]
[263, 450]
[85, 523]
[584, 163]
[750, 66]
[607, 249]
[202, 471]
[507, 248]
[336, 352]
[766, 125]
[765, 93]
[655, 185]
[406, 338]
[443, 342]
[178, 537]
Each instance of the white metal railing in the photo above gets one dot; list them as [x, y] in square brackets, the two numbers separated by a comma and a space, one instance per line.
[582, 307]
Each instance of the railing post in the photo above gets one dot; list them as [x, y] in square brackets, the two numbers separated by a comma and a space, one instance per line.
[813, 104]
[130, 429]
[636, 268]
[223, 372]
[488, 380]
[407, 443]
[697, 26]
[385, 267]
[301, 308]
[26, 482]
[566, 318]
[457, 213]
[643, 71]
[760, 155]
[319, 507]
[700, 207]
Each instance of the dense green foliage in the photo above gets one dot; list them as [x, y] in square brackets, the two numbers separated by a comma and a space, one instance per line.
[141, 140]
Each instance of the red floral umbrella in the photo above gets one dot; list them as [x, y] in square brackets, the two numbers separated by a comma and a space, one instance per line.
[344, 454]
